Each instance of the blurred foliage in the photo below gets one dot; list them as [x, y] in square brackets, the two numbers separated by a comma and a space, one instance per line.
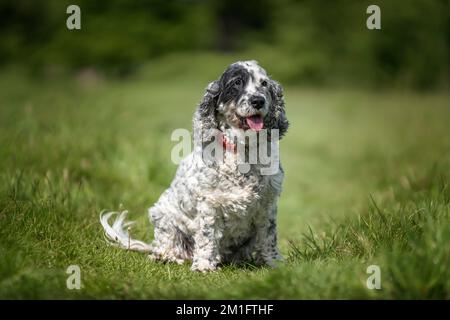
[307, 42]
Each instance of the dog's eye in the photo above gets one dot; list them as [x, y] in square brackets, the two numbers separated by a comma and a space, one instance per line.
[237, 82]
[264, 83]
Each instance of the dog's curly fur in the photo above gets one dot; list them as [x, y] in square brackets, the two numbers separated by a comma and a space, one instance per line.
[213, 214]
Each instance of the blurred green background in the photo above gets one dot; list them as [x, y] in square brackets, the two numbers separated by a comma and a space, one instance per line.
[304, 42]
[86, 118]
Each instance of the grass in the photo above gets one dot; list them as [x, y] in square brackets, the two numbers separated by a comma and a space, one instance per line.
[367, 183]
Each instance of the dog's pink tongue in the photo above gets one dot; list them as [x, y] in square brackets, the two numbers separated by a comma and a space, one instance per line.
[255, 122]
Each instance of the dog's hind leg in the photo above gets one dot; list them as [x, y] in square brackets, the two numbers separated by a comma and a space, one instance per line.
[171, 246]
[170, 243]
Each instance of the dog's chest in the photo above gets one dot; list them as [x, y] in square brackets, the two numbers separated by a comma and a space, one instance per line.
[236, 192]
[236, 199]
[240, 197]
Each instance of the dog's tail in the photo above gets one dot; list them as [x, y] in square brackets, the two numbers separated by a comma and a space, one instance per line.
[117, 234]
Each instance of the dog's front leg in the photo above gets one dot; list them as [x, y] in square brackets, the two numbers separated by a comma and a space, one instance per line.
[206, 252]
[266, 248]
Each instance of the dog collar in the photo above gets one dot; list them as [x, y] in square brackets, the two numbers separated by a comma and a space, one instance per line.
[227, 144]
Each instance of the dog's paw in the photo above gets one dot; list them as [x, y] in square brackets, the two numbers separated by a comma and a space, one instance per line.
[203, 265]
[155, 257]
[271, 261]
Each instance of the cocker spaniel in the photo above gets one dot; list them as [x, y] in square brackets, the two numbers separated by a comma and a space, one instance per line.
[214, 212]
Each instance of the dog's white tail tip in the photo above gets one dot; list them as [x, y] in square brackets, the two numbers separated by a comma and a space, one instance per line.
[117, 234]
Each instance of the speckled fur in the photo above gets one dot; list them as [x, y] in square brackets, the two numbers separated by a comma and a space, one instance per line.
[213, 214]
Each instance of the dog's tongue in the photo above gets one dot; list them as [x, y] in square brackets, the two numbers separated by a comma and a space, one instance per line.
[255, 122]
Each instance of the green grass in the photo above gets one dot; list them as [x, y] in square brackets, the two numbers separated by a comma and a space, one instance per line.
[367, 182]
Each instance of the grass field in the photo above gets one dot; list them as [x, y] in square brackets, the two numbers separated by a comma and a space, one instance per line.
[367, 183]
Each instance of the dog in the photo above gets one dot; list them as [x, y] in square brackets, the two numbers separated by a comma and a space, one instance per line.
[213, 213]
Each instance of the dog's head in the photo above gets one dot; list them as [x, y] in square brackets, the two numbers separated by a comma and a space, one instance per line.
[243, 98]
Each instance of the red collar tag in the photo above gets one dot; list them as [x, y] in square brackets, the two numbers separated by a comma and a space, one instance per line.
[227, 145]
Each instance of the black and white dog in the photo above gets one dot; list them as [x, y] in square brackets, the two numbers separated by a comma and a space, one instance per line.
[213, 214]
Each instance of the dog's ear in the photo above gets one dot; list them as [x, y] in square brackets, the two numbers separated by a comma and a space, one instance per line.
[205, 122]
[277, 114]
[209, 101]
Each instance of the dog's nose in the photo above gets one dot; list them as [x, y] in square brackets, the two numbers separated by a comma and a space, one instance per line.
[257, 102]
